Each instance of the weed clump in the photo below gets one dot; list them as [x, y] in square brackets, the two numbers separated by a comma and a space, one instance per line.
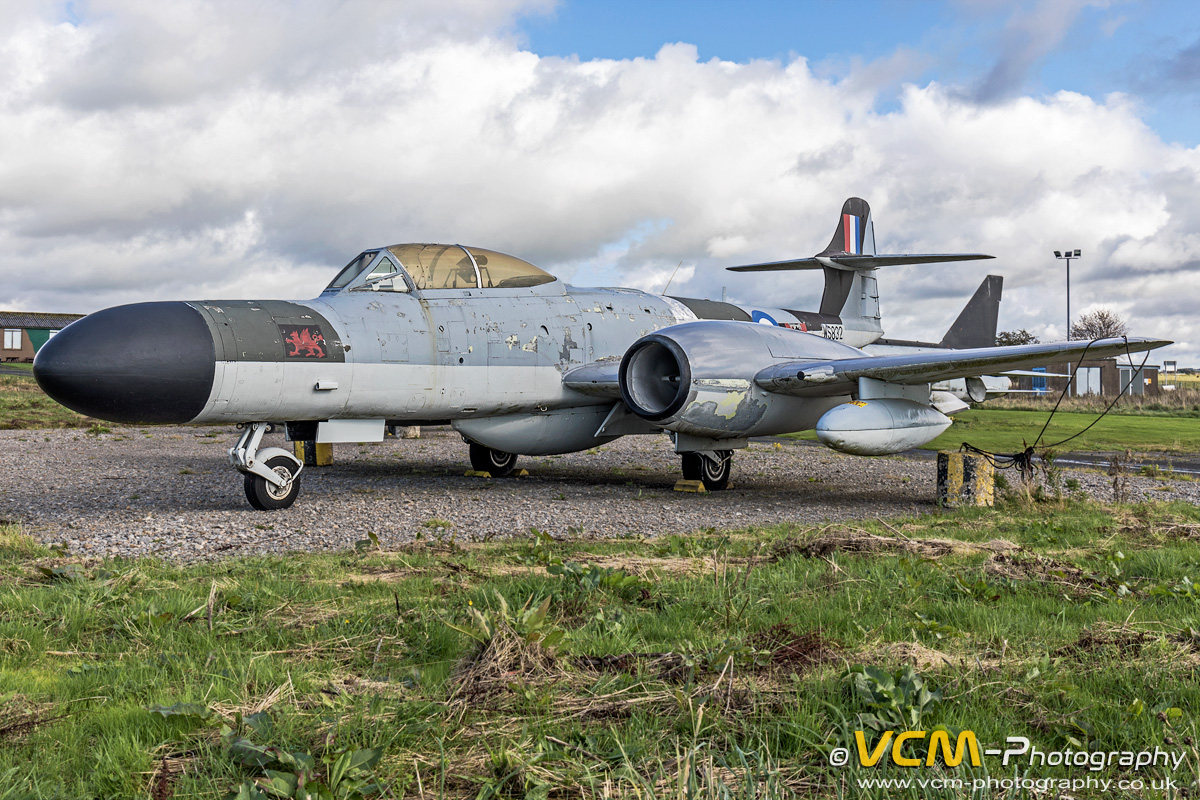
[514, 647]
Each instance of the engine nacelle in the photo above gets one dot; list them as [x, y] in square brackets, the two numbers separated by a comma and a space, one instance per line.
[698, 378]
[881, 426]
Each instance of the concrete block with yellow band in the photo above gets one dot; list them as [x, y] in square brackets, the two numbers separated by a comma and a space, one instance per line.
[965, 479]
[313, 454]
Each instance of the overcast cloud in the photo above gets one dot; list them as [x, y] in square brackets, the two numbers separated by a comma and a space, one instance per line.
[224, 149]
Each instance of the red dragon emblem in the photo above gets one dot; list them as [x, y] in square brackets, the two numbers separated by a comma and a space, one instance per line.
[303, 341]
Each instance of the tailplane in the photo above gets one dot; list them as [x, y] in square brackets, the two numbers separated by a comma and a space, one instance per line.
[850, 260]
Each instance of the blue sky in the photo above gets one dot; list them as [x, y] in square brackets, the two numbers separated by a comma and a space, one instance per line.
[1149, 49]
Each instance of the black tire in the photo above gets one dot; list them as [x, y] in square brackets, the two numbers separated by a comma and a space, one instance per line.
[713, 473]
[266, 497]
[496, 462]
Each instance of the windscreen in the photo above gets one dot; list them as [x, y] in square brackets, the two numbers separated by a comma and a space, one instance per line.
[351, 270]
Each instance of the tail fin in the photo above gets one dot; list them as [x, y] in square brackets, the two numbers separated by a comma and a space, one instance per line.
[855, 234]
[976, 324]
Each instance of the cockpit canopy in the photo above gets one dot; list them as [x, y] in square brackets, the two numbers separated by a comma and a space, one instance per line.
[404, 267]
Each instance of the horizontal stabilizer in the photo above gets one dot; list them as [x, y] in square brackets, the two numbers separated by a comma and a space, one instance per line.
[851, 262]
[803, 377]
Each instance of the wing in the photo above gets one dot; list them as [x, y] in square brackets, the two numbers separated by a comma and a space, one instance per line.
[802, 377]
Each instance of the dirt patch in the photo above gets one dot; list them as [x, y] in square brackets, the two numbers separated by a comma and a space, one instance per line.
[915, 653]
[669, 667]
[642, 565]
[781, 647]
[18, 717]
[633, 565]
[1178, 530]
[1123, 642]
[854, 540]
[791, 650]
[383, 576]
[1027, 566]
[354, 685]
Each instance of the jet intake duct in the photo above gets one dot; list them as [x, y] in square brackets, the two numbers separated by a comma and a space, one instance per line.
[697, 378]
[655, 377]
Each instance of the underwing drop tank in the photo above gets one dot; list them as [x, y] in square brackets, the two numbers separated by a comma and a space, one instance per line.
[880, 426]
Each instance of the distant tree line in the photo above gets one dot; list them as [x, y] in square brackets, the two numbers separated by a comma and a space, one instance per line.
[1099, 324]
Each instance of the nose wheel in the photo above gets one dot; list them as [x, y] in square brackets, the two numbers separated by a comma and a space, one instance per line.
[267, 496]
[712, 468]
[497, 462]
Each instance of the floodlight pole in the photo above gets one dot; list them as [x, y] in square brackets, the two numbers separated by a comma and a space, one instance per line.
[1067, 255]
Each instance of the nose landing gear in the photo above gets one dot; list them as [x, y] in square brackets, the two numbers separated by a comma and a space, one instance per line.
[272, 475]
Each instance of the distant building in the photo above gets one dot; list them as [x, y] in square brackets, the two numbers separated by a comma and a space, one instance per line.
[25, 332]
[1106, 377]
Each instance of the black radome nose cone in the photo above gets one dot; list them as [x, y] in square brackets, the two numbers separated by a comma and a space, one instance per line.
[146, 362]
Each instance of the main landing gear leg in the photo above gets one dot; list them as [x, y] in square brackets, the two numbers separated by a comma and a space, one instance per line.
[272, 474]
[712, 467]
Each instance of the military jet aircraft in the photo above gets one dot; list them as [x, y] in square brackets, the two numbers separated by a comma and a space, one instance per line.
[520, 363]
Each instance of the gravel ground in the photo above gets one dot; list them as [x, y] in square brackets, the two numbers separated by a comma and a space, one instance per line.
[171, 492]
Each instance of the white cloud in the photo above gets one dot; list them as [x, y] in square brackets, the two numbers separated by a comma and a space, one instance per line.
[199, 149]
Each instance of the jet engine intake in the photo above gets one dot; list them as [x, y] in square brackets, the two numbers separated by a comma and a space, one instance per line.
[655, 378]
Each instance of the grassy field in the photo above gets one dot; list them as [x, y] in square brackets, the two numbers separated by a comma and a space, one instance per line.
[999, 430]
[718, 665]
[1184, 402]
[23, 405]
[1008, 431]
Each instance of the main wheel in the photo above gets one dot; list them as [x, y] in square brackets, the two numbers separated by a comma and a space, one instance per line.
[264, 495]
[497, 462]
[714, 473]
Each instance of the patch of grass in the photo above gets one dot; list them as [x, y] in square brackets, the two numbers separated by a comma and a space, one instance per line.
[725, 664]
[24, 406]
